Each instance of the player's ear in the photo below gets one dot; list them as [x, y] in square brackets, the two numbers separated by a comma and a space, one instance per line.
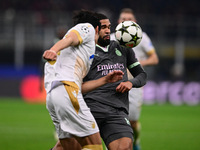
[96, 34]
[97, 30]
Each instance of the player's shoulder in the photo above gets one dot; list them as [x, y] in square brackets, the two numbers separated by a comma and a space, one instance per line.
[84, 28]
[84, 31]
[114, 45]
[144, 33]
[145, 36]
[88, 25]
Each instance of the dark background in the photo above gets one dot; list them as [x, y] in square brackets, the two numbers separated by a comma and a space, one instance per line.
[29, 27]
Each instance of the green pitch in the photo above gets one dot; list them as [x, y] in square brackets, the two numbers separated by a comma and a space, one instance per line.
[25, 126]
[168, 127]
[164, 127]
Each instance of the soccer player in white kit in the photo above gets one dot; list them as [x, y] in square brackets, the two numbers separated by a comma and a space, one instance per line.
[69, 61]
[146, 54]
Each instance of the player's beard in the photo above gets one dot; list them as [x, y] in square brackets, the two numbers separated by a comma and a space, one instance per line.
[103, 42]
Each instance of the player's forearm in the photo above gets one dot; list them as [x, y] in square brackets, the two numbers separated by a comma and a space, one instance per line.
[152, 60]
[140, 76]
[62, 44]
[139, 80]
[70, 40]
[93, 84]
[149, 62]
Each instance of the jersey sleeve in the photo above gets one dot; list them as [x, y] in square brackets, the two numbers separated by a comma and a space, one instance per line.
[84, 31]
[147, 44]
[136, 70]
[131, 58]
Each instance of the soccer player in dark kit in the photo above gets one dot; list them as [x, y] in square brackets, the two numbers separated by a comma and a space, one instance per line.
[109, 104]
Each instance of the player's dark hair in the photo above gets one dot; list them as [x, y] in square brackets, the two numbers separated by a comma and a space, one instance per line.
[86, 16]
[101, 16]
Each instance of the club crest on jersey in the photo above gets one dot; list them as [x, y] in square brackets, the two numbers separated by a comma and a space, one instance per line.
[118, 52]
[85, 29]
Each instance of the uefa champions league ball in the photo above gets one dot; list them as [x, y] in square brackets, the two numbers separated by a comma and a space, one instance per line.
[128, 34]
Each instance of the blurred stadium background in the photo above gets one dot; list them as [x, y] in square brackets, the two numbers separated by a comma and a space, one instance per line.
[27, 28]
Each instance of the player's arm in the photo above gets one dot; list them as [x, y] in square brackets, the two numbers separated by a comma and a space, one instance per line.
[151, 60]
[137, 72]
[70, 40]
[114, 76]
[140, 76]
[139, 79]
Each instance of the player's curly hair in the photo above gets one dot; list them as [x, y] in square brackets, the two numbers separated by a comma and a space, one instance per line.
[86, 16]
[101, 16]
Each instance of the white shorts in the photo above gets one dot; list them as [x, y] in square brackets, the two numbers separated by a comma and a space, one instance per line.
[69, 112]
[135, 103]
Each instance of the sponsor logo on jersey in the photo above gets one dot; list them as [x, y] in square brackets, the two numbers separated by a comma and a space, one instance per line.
[116, 66]
[105, 69]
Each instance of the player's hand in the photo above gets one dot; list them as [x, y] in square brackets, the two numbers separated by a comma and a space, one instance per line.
[50, 55]
[114, 76]
[124, 87]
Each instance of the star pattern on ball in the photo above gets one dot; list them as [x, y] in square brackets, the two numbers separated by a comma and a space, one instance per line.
[123, 29]
[128, 34]
[121, 42]
[134, 37]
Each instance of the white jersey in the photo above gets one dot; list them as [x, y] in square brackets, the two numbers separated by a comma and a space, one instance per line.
[72, 63]
[64, 100]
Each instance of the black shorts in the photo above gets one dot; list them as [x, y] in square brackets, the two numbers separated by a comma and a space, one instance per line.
[113, 123]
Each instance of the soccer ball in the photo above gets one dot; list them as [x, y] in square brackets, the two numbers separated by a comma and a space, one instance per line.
[128, 34]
